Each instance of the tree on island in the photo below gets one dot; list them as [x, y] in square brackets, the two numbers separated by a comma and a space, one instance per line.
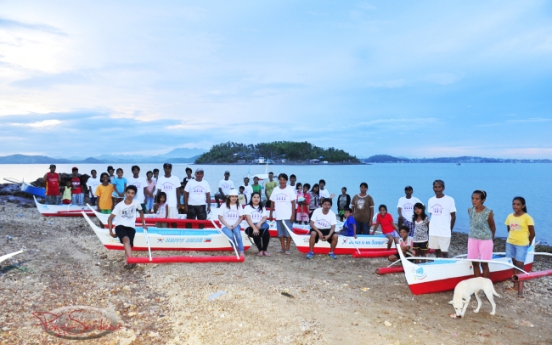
[231, 152]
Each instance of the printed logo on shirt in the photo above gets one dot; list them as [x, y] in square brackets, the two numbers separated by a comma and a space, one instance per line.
[281, 197]
[226, 186]
[256, 216]
[408, 207]
[515, 227]
[360, 204]
[322, 223]
[167, 186]
[128, 213]
[232, 215]
[198, 190]
[437, 210]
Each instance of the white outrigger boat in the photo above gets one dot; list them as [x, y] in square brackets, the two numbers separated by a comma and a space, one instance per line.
[170, 239]
[443, 274]
[61, 210]
[345, 245]
[7, 256]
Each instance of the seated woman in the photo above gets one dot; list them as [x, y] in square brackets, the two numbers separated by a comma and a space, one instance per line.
[230, 216]
[255, 215]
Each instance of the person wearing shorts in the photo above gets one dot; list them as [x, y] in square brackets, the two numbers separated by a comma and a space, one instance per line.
[443, 216]
[323, 223]
[283, 200]
[482, 230]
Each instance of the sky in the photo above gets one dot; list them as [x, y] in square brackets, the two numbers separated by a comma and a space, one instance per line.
[412, 79]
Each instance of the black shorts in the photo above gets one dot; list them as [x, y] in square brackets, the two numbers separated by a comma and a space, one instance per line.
[124, 231]
[421, 245]
[197, 211]
[324, 232]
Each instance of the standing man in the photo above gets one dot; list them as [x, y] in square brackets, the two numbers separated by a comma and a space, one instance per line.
[269, 187]
[93, 183]
[292, 180]
[197, 195]
[225, 186]
[363, 210]
[323, 192]
[405, 207]
[140, 183]
[51, 183]
[248, 190]
[188, 176]
[169, 184]
[283, 200]
[443, 216]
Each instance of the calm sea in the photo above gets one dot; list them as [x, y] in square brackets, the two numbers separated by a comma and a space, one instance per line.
[386, 182]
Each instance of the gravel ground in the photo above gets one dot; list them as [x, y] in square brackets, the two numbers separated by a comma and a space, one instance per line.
[268, 300]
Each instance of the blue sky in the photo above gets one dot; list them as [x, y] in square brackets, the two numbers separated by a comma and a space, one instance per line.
[414, 79]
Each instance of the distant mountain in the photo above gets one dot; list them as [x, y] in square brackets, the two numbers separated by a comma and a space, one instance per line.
[462, 159]
[23, 159]
[183, 153]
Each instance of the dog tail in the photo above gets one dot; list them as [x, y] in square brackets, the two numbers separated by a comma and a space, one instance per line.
[495, 293]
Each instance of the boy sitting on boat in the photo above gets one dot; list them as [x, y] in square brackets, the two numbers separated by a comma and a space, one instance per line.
[126, 218]
[323, 223]
[406, 243]
[349, 227]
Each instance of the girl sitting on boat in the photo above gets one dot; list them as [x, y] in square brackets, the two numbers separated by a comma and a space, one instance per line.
[406, 243]
[303, 201]
[388, 228]
[161, 209]
[521, 232]
[481, 236]
[420, 223]
[230, 216]
[255, 215]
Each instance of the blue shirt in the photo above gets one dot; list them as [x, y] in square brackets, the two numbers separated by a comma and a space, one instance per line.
[119, 184]
[348, 226]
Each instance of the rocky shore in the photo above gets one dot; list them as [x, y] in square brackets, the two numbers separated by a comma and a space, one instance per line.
[267, 300]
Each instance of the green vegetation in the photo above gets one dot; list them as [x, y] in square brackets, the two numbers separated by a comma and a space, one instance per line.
[278, 151]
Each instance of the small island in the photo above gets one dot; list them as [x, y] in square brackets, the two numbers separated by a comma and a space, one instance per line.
[277, 152]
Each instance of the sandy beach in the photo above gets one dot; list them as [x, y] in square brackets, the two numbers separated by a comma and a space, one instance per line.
[268, 300]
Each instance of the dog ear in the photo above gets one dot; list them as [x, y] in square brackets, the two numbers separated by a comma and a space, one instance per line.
[451, 302]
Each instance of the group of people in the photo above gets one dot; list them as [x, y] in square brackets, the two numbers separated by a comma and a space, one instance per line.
[288, 201]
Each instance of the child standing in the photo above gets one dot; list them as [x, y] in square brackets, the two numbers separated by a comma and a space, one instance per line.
[521, 232]
[303, 205]
[405, 244]
[388, 228]
[120, 184]
[343, 201]
[148, 191]
[93, 183]
[104, 193]
[77, 197]
[420, 224]
[161, 209]
[349, 227]
[241, 196]
[66, 199]
[126, 220]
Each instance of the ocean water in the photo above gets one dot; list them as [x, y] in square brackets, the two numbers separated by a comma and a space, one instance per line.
[386, 182]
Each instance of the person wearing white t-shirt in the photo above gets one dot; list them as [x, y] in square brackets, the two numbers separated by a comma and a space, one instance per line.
[322, 224]
[224, 187]
[443, 216]
[256, 215]
[170, 185]
[125, 212]
[230, 216]
[197, 197]
[248, 190]
[283, 199]
[323, 192]
[139, 183]
[93, 183]
[405, 207]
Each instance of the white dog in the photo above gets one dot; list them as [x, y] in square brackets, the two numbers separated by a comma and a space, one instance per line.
[464, 290]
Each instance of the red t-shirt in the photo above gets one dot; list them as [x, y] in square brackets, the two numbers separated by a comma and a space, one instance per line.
[77, 189]
[52, 184]
[386, 223]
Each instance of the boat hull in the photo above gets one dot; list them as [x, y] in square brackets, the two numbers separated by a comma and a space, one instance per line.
[62, 210]
[38, 191]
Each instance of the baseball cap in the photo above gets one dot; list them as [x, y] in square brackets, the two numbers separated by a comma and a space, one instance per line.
[167, 165]
[227, 172]
[199, 170]
[74, 168]
[52, 165]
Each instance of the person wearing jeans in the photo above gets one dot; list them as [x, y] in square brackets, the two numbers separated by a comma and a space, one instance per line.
[230, 216]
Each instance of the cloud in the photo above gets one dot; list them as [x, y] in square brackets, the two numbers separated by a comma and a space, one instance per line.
[389, 84]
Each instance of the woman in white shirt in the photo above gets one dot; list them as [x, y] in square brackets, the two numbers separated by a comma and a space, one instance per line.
[255, 215]
[230, 216]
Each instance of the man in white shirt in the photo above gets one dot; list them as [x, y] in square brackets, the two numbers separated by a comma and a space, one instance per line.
[93, 183]
[248, 190]
[170, 185]
[197, 197]
[323, 192]
[139, 183]
[405, 207]
[283, 201]
[443, 216]
[225, 186]
[322, 224]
